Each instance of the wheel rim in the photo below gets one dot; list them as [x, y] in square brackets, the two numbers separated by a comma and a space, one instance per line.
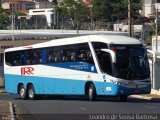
[22, 92]
[31, 93]
[90, 92]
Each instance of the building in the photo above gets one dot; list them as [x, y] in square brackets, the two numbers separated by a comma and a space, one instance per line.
[156, 44]
[42, 5]
[148, 8]
[40, 18]
[22, 6]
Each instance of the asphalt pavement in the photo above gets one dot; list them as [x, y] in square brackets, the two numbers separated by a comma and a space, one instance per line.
[7, 111]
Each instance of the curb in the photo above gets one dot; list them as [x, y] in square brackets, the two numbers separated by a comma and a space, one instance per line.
[2, 91]
[141, 97]
[155, 92]
[12, 117]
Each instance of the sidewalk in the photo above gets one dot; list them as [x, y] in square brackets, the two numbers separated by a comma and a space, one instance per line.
[2, 91]
[154, 96]
[6, 111]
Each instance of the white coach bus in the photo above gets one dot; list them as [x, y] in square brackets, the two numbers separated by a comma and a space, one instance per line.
[94, 65]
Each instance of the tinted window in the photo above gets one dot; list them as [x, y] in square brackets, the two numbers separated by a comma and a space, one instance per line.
[9, 58]
[84, 54]
[54, 55]
[17, 59]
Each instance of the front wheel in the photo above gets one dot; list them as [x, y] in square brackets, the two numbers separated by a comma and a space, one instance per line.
[92, 92]
[123, 98]
[31, 92]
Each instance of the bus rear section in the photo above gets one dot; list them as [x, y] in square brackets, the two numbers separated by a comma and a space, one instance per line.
[50, 70]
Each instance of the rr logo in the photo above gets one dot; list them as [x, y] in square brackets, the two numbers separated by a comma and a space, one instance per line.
[27, 70]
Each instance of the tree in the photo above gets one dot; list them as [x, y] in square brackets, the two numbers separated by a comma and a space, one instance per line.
[113, 10]
[76, 10]
[102, 11]
[3, 19]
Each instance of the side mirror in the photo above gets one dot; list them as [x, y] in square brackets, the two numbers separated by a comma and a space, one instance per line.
[112, 53]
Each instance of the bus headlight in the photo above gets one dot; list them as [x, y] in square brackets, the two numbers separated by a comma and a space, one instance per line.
[118, 83]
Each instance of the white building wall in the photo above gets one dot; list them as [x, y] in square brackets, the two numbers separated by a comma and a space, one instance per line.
[148, 7]
[42, 5]
[47, 12]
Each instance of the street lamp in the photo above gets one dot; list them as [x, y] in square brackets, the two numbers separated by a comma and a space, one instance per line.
[129, 18]
[91, 17]
[156, 31]
[76, 1]
[12, 18]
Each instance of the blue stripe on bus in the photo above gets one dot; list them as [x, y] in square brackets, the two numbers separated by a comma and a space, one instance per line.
[80, 66]
[44, 85]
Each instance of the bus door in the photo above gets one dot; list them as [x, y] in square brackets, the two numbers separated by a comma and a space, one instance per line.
[106, 60]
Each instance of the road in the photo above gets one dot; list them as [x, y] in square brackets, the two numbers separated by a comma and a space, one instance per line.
[79, 107]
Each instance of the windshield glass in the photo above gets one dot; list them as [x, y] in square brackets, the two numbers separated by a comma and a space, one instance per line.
[132, 62]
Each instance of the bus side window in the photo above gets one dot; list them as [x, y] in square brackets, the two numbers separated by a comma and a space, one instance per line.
[38, 56]
[50, 56]
[84, 54]
[30, 58]
[105, 62]
[22, 58]
[70, 55]
[54, 55]
[17, 59]
[9, 58]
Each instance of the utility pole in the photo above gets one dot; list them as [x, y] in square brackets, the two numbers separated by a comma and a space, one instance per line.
[12, 17]
[156, 29]
[129, 19]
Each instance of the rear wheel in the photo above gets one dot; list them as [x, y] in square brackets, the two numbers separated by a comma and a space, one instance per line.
[31, 92]
[92, 92]
[22, 92]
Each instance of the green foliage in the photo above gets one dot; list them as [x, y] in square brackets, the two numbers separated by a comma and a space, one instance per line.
[3, 19]
[72, 7]
[76, 10]
[16, 14]
[102, 11]
[113, 10]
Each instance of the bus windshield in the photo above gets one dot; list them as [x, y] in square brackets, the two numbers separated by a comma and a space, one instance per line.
[131, 62]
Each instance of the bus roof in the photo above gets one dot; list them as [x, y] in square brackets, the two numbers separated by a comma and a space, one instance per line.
[110, 39]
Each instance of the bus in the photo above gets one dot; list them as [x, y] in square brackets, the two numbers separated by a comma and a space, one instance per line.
[93, 65]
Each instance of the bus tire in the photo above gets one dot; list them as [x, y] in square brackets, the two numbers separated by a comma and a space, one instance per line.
[31, 92]
[123, 98]
[22, 92]
[92, 92]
